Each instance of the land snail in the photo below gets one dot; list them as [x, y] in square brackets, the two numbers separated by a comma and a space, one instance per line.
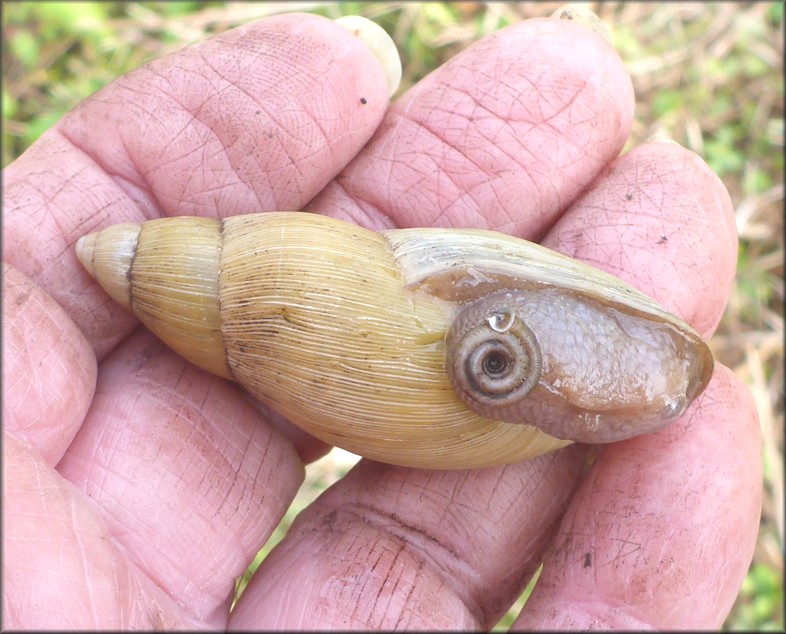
[436, 348]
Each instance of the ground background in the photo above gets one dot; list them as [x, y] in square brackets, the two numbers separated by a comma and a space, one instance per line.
[709, 75]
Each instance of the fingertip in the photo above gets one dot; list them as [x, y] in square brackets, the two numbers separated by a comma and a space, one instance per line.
[631, 550]
[49, 369]
[379, 43]
[662, 220]
[556, 104]
[582, 15]
[728, 398]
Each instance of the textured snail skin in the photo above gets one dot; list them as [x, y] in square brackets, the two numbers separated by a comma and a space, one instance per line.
[602, 374]
[354, 335]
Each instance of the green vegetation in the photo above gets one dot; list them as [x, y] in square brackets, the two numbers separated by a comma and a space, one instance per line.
[709, 76]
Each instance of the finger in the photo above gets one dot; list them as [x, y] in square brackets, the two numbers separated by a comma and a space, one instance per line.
[49, 370]
[662, 220]
[396, 548]
[308, 551]
[503, 136]
[258, 118]
[662, 531]
[187, 479]
[152, 551]
[62, 568]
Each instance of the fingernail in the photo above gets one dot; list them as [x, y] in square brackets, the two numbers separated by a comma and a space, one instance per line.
[661, 137]
[582, 15]
[380, 44]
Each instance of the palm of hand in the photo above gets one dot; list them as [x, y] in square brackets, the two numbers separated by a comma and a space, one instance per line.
[149, 507]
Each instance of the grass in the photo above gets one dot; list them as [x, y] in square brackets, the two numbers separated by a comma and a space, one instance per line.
[709, 75]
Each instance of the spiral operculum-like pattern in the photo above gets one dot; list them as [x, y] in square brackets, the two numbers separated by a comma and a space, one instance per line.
[493, 358]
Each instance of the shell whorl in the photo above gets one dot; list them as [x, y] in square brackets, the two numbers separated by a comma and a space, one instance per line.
[166, 272]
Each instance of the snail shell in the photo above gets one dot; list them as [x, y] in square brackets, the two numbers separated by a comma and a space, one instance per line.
[375, 342]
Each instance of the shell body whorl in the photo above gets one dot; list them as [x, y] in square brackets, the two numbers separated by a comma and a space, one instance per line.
[345, 331]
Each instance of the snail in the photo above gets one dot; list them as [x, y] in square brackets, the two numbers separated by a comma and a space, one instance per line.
[437, 348]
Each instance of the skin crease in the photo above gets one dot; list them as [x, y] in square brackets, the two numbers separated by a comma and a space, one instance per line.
[172, 480]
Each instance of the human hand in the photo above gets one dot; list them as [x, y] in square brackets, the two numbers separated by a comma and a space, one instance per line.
[143, 511]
